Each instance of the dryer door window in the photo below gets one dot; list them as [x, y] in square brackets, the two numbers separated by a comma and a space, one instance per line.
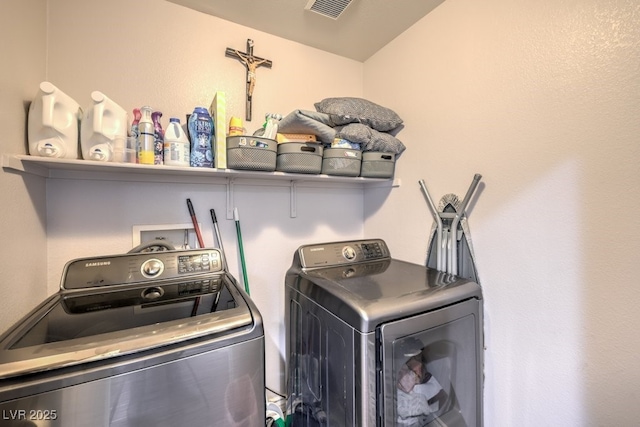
[432, 368]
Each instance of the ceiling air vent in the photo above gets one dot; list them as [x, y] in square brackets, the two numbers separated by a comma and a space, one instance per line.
[329, 8]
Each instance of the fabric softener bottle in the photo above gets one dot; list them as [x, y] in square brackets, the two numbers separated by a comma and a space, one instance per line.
[201, 133]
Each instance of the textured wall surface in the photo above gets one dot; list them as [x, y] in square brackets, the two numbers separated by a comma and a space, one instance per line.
[542, 99]
[22, 198]
[539, 97]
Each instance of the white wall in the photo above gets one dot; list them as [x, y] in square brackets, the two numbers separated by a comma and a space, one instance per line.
[23, 256]
[542, 99]
[173, 58]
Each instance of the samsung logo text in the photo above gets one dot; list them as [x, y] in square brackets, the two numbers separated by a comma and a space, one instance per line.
[97, 264]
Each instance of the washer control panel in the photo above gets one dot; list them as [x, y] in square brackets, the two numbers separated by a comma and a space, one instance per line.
[340, 253]
[140, 267]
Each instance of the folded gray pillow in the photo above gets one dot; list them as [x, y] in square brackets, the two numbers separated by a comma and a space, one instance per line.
[347, 110]
[310, 122]
[371, 139]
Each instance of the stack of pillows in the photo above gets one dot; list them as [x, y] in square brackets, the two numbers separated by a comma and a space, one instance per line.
[355, 120]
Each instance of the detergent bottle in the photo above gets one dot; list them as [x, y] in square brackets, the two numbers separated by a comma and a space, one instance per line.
[202, 136]
[103, 122]
[176, 145]
[53, 123]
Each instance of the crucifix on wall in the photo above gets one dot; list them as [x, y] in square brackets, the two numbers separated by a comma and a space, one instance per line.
[251, 63]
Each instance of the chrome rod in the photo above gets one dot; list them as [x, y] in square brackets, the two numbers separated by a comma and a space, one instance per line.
[453, 248]
[436, 217]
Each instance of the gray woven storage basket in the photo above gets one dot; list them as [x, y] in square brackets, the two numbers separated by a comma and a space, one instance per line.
[299, 157]
[341, 161]
[251, 153]
[376, 164]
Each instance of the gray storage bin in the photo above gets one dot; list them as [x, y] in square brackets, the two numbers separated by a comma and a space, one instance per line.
[251, 153]
[299, 157]
[341, 161]
[376, 164]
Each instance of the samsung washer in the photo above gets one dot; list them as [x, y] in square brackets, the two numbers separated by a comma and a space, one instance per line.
[148, 339]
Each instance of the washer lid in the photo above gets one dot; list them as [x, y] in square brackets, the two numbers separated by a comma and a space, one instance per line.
[74, 328]
[366, 295]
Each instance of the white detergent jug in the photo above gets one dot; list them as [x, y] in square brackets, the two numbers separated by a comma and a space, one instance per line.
[53, 123]
[102, 123]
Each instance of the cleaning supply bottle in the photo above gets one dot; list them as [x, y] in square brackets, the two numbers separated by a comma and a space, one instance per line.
[146, 137]
[134, 124]
[176, 144]
[53, 122]
[202, 137]
[134, 132]
[271, 125]
[235, 127]
[103, 122]
[158, 135]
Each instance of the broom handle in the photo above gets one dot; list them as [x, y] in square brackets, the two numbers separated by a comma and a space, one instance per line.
[236, 217]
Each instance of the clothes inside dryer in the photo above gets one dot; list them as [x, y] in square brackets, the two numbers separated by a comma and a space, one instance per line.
[427, 381]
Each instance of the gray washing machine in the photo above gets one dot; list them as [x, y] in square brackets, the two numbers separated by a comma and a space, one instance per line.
[375, 341]
[148, 339]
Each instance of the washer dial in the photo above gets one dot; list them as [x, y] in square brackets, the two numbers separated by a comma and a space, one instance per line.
[152, 268]
[349, 253]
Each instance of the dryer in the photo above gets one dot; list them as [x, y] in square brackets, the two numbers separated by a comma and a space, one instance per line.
[376, 341]
[148, 339]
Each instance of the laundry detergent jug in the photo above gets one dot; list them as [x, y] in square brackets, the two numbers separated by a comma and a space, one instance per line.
[53, 123]
[103, 122]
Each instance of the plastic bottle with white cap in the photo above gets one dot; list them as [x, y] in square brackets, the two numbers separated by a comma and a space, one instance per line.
[176, 144]
[54, 119]
[103, 122]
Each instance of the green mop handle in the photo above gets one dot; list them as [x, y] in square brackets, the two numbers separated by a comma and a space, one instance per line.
[236, 217]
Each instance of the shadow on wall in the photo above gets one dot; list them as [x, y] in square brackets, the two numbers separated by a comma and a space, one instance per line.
[32, 183]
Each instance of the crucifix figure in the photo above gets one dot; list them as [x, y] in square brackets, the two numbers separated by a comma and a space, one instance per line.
[251, 63]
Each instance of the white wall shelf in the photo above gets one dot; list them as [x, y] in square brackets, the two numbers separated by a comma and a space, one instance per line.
[55, 168]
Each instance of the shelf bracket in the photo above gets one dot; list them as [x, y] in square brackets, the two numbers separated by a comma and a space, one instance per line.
[293, 202]
[230, 201]
[12, 162]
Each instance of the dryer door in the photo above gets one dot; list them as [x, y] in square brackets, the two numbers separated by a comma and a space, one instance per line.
[432, 368]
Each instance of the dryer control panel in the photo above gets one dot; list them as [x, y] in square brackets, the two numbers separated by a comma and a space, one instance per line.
[340, 253]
